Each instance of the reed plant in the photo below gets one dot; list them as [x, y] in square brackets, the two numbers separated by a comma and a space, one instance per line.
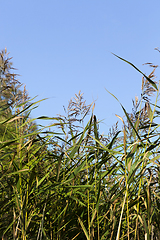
[67, 181]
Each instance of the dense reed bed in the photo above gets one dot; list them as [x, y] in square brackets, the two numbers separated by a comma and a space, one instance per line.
[67, 181]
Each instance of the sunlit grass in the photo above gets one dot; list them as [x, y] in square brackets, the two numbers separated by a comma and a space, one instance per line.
[77, 184]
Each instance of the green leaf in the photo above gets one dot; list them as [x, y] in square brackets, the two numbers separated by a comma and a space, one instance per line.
[84, 229]
[149, 80]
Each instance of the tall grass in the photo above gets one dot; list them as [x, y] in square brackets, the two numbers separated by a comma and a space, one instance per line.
[74, 183]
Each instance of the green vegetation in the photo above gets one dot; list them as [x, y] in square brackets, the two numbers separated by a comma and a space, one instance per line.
[66, 180]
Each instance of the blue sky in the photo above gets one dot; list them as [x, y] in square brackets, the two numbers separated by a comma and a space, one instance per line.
[61, 47]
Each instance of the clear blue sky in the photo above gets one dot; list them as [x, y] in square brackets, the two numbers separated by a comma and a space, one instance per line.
[61, 47]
